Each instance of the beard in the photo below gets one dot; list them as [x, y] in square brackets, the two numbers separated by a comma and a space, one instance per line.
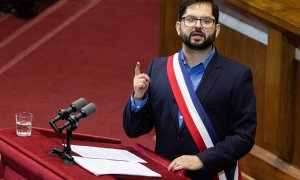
[208, 40]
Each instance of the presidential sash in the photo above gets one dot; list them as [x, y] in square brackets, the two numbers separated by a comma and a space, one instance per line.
[193, 113]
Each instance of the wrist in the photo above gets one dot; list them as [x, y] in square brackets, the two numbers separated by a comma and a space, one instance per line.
[137, 96]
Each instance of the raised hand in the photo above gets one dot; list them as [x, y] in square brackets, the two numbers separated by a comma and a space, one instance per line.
[140, 82]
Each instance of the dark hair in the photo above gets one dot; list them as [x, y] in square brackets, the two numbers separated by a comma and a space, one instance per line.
[186, 3]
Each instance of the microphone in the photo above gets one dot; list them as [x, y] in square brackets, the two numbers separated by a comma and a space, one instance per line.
[65, 113]
[75, 106]
[74, 119]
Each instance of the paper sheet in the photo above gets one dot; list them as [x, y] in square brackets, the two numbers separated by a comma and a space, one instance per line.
[106, 153]
[103, 167]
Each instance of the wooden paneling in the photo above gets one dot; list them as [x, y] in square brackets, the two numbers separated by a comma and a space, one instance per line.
[260, 170]
[169, 40]
[280, 94]
[284, 14]
[296, 130]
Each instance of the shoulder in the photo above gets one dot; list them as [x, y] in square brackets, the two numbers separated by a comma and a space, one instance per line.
[159, 61]
[157, 64]
[231, 66]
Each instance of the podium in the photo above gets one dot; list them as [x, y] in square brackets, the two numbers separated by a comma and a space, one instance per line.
[29, 158]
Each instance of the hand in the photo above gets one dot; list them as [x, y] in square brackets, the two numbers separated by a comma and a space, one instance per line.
[189, 162]
[140, 82]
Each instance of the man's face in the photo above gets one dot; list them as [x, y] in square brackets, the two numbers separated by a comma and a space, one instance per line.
[197, 37]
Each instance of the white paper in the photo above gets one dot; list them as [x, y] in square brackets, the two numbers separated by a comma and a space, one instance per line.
[102, 167]
[106, 153]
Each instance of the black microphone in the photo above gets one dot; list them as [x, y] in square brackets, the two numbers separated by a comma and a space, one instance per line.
[74, 107]
[65, 113]
[74, 119]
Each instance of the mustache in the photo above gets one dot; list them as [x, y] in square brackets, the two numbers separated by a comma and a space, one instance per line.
[198, 32]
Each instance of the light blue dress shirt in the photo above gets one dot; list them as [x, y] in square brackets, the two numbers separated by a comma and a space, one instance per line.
[195, 73]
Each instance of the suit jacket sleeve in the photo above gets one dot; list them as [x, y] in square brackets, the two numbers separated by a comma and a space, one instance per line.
[139, 123]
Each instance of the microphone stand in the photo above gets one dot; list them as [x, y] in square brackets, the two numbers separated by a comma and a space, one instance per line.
[71, 125]
[66, 153]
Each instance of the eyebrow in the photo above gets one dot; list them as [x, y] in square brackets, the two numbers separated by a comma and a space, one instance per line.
[207, 17]
[200, 17]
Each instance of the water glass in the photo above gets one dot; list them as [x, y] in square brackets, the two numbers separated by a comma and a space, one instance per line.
[23, 123]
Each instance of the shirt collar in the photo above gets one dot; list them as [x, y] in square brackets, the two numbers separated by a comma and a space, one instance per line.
[204, 61]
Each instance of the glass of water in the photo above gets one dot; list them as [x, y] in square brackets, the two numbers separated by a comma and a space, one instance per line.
[23, 123]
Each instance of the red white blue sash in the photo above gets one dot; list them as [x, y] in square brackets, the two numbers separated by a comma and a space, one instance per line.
[193, 113]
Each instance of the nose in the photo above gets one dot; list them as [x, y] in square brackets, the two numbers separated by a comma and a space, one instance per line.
[198, 24]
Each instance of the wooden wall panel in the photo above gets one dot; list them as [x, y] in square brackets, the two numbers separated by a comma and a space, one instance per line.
[280, 94]
[169, 40]
[282, 14]
[296, 150]
[260, 170]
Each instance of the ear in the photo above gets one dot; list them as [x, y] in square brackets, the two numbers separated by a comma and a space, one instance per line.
[218, 28]
[177, 27]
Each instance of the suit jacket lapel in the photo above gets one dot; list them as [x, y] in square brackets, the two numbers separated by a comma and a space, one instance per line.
[174, 111]
[209, 78]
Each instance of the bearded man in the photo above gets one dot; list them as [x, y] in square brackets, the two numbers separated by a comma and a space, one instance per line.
[201, 104]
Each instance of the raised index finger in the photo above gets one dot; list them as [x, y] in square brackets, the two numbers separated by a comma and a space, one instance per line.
[137, 68]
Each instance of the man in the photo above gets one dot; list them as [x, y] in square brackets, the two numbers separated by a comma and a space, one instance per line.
[201, 104]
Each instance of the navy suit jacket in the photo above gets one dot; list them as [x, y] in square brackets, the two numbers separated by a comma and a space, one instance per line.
[227, 95]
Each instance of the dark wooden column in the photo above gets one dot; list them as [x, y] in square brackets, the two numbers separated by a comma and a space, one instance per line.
[280, 94]
[169, 41]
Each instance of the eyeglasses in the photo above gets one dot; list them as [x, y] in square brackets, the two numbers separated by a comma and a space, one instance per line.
[191, 21]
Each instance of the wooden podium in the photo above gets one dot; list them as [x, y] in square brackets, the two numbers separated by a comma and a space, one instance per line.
[29, 158]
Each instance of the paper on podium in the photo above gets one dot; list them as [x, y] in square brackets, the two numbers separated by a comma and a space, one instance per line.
[101, 161]
[103, 167]
[106, 153]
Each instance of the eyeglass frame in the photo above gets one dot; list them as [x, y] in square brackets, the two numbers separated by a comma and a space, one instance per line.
[199, 19]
